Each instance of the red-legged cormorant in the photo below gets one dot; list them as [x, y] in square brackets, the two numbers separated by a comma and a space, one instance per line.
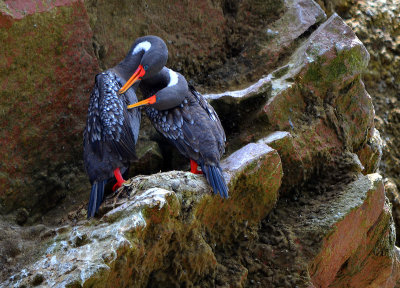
[185, 118]
[111, 129]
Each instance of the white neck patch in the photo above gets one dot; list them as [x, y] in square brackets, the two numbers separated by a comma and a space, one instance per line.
[142, 46]
[173, 78]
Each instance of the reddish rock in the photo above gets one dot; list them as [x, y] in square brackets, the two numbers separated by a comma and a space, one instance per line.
[18, 9]
[325, 115]
[362, 257]
[377, 24]
[46, 80]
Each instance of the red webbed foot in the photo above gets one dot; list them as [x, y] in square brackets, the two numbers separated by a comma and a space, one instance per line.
[120, 180]
[116, 186]
[193, 167]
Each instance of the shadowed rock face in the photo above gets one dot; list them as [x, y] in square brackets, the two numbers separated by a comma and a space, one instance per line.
[306, 206]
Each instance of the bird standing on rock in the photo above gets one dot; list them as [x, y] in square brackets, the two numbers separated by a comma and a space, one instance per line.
[112, 130]
[185, 118]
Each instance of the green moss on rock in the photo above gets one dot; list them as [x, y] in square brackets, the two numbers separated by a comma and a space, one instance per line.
[253, 193]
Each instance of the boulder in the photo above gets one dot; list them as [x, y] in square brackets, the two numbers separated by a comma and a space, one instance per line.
[376, 24]
[366, 256]
[318, 97]
[312, 241]
[164, 233]
[46, 73]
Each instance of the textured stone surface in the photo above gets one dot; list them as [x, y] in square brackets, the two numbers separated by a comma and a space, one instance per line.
[392, 192]
[66, 41]
[47, 66]
[326, 116]
[213, 42]
[361, 205]
[315, 234]
[150, 158]
[318, 96]
[240, 159]
[371, 153]
[169, 227]
[377, 25]
[304, 98]
[299, 17]
[343, 57]
[293, 166]
[18, 9]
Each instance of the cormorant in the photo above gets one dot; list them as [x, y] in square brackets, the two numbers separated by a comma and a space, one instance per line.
[188, 121]
[112, 130]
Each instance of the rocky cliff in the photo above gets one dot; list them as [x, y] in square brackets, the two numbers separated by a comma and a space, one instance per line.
[307, 206]
[377, 25]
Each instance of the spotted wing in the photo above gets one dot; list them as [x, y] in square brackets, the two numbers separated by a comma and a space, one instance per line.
[213, 116]
[108, 125]
[190, 128]
[176, 125]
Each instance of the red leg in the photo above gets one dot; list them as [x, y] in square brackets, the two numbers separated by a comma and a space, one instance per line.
[193, 167]
[120, 180]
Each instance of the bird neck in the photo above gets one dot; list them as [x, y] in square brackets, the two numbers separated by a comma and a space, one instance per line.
[129, 65]
[168, 96]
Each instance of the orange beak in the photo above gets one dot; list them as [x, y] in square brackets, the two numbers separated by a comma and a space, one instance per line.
[150, 100]
[135, 77]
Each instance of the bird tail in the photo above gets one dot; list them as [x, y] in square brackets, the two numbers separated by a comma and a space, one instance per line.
[216, 179]
[96, 197]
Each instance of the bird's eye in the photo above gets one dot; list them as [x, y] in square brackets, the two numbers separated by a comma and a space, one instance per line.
[145, 67]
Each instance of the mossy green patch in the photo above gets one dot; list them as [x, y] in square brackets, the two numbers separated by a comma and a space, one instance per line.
[327, 71]
[165, 238]
[253, 193]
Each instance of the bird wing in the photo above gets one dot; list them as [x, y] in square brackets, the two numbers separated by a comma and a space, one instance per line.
[172, 125]
[109, 122]
[213, 116]
[190, 128]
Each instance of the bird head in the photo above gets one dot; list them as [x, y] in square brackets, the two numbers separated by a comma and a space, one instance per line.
[154, 55]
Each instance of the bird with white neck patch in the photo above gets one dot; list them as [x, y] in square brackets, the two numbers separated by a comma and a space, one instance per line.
[188, 121]
[112, 130]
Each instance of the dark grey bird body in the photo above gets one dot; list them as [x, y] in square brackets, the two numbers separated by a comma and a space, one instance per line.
[188, 121]
[111, 129]
[110, 135]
